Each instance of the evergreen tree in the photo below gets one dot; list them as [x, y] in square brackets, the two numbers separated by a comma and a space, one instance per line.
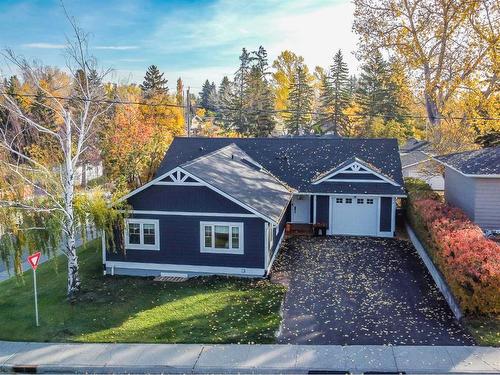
[179, 92]
[208, 96]
[213, 98]
[299, 103]
[41, 112]
[375, 95]
[225, 96]
[154, 82]
[239, 120]
[335, 94]
[260, 96]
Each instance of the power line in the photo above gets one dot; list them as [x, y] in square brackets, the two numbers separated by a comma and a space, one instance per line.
[275, 111]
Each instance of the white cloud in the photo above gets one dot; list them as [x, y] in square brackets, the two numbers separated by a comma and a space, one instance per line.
[313, 29]
[44, 45]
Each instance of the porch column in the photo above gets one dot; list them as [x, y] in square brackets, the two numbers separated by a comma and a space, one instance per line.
[314, 209]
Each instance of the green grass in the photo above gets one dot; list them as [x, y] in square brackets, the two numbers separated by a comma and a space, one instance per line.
[128, 309]
[486, 331]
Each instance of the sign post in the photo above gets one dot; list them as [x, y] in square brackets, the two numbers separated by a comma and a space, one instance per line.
[33, 261]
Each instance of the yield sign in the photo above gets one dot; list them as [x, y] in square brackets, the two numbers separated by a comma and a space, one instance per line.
[34, 259]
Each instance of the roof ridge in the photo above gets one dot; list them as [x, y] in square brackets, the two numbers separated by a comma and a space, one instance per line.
[201, 157]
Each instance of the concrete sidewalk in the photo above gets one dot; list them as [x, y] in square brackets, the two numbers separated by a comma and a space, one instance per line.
[296, 359]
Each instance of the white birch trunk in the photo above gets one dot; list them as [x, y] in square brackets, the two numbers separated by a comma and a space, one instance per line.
[69, 221]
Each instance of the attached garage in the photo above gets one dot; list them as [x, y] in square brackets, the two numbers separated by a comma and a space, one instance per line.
[354, 215]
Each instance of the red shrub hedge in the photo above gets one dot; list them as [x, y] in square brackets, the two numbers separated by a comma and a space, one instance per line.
[469, 262]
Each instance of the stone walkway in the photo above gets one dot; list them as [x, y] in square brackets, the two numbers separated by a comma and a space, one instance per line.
[296, 359]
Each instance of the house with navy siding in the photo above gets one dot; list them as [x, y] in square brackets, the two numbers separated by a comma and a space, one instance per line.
[221, 205]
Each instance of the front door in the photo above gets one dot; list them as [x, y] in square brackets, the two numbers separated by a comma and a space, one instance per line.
[301, 209]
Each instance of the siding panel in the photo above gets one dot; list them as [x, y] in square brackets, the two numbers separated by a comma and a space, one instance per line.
[322, 209]
[460, 191]
[183, 198]
[180, 244]
[385, 214]
[487, 203]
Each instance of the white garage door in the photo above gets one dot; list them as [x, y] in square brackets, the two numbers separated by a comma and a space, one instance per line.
[354, 215]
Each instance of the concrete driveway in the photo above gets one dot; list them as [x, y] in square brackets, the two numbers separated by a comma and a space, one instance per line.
[361, 291]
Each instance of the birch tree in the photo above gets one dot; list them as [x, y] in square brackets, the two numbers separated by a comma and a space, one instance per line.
[46, 191]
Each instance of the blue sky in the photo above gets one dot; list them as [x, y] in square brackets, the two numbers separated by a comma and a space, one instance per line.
[191, 39]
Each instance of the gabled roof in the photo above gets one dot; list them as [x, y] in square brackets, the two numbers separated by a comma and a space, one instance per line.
[412, 158]
[234, 172]
[484, 162]
[297, 161]
[349, 162]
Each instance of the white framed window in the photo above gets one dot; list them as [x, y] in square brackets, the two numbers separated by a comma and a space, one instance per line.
[142, 234]
[360, 201]
[221, 237]
[270, 236]
[369, 200]
[348, 200]
[339, 200]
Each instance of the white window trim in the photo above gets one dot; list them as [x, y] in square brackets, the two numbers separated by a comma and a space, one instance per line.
[142, 246]
[213, 250]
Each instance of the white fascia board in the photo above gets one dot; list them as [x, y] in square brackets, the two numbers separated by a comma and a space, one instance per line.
[325, 178]
[229, 197]
[355, 194]
[145, 186]
[468, 174]
[190, 213]
[187, 268]
[203, 183]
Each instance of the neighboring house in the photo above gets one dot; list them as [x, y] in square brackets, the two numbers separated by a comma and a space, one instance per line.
[221, 205]
[472, 182]
[417, 162]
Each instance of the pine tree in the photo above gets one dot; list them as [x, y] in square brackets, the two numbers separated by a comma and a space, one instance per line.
[260, 96]
[208, 96]
[299, 104]
[213, 98]
[335, 95]
[371, 93]
[225, 96]
[204, 95]
[154, 82]
[41, 112]
[239, 119]
[179, 92]
[376, 94]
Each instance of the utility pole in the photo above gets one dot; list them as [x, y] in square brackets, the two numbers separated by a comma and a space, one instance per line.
[188, 113]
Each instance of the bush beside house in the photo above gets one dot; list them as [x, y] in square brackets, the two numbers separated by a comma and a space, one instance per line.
[469, 262]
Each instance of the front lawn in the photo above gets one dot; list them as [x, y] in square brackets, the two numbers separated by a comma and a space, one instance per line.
[130, 309]
[486, 330]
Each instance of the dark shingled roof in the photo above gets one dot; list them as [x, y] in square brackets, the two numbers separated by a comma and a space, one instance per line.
[298, 161]
[232, 171]
[415, 145]
[479, 162]
[413, 157]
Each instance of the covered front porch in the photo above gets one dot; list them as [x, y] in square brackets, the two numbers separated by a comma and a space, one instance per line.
[342, 214]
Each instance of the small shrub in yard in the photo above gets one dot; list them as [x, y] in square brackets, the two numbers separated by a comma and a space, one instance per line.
[469, 261]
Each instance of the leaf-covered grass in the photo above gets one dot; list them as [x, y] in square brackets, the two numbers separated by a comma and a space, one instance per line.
[128, 309]
[486, 330]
